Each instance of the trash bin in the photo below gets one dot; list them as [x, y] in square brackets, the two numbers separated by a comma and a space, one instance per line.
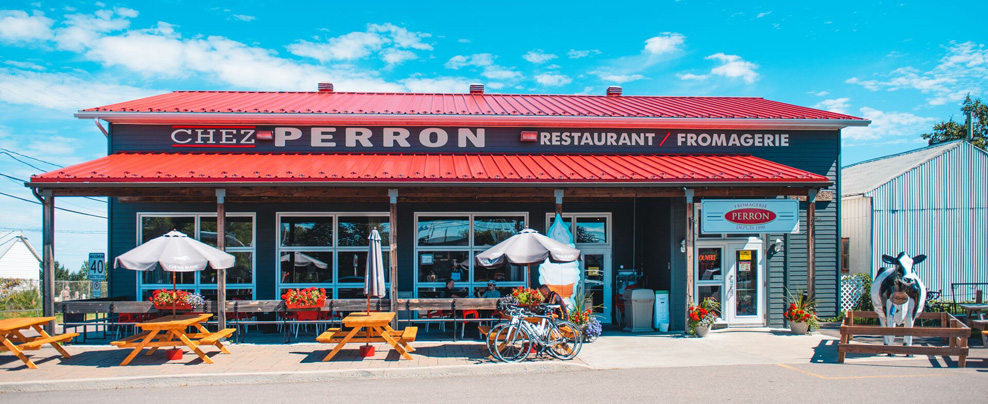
[662, 310]
[640, 310]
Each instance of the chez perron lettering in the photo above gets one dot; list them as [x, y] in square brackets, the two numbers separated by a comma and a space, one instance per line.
[461, 138]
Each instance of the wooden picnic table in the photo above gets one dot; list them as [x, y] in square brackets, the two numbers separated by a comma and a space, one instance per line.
[970, 309]
[370, 327]
[15, 341]
[170, 331]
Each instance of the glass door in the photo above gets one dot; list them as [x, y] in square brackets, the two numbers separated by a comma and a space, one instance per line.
[596, 268]
[731, 271]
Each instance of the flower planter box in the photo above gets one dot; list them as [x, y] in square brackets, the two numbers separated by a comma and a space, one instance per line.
[295, 306]
[176, 306]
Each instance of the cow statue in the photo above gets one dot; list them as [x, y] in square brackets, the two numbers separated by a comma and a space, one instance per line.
[898, 294]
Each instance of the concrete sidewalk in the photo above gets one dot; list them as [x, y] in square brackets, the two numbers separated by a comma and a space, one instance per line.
[97, 367]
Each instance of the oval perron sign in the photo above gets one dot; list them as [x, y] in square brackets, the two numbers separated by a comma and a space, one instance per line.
[750, 216]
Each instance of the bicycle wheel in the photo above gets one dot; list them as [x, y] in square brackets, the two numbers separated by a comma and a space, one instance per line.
[493, 342]
[565, 340]
[512, 343]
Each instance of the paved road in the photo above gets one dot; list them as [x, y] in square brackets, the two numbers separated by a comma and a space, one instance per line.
[906, 382]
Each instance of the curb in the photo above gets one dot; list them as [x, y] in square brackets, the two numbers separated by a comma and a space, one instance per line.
[218, 379]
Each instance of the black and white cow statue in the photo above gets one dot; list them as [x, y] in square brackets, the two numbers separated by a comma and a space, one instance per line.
[898, 294]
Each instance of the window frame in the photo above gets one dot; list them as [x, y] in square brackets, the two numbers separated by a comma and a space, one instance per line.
[197, 286]
[471, 250]
[335, 250]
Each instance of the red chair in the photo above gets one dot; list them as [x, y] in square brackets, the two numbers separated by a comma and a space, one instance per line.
[467, 314]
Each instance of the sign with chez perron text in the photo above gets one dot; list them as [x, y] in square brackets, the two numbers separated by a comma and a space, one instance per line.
[343, 138]
[748, 216]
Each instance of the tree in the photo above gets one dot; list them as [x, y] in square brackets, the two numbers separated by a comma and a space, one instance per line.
[62, 274]
[947, 131]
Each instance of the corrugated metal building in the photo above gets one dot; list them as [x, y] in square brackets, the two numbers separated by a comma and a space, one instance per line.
[931, 201]
[18, 259]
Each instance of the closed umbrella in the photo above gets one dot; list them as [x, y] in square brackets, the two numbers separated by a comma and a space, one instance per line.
[526, 248]
[175, 252]
[374, 278]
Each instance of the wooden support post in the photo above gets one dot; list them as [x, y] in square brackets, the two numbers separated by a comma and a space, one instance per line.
[48, 256]
[689, 243]
[221, 244]
[811, 243]
[393, 253]
[559, 202]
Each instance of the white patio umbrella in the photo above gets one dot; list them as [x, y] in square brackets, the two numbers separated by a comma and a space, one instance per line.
[526, 248]
[175, 252]
[374, 277]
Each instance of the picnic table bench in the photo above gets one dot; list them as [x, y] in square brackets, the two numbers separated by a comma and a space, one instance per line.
[170, 331]
[367, 328]
[13, 339]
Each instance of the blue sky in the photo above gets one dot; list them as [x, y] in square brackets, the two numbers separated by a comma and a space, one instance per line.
[902, 64]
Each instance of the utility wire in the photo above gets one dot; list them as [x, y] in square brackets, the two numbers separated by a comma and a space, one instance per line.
[39, 203]
[32, 158]
[22, 161]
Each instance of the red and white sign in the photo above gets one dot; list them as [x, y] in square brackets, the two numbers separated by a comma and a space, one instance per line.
[750, 216]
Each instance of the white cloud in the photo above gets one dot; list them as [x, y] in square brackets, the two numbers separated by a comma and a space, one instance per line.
[538, 56]
[460, 61]
[397, 56]
[437, 85]
[354, 45]
[62, 91]
[17, 26]
[24, 65]
[962, 70]
[243, 17]
[500, 73]
[553, 80]
[691, 76]
[463, 40]
[578, 54]
[733, 66]
[764, 14]
[81, 30]
[888, 126]
[618, 78]
[126, 12]
[391, 40]
[402, 37]
[668, 42]
[818, 93]
[838, 105]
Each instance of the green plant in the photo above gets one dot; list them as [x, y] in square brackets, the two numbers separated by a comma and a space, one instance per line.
[801, 309]
[702, 314]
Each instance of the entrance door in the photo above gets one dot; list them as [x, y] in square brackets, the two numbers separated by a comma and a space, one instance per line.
[597, 269]
[731, 271]
[592, 236]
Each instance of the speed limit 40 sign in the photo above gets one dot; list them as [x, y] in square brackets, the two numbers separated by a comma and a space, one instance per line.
[97, 266]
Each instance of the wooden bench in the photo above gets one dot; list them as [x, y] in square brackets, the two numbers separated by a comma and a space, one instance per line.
[981, 326]
[335, 335]
[36, 343]
[216, 336]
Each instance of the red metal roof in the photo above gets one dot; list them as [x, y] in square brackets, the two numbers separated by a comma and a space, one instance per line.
[516, 105]
[426, 168]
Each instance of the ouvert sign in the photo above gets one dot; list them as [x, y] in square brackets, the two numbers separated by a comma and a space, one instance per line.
[747, 216]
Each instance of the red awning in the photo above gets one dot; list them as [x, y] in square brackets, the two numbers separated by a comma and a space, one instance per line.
[477, 169]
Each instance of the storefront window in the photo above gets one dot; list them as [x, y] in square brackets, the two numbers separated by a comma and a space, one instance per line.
[306, 267]
[747, 283]
[591, 230]
[239, 231]
[488, 231]
[310, 257]
[240, 243]
[307, 231]
[355, 230]
[709, 291]
[443, 231]
[710, 263]
[447, 247]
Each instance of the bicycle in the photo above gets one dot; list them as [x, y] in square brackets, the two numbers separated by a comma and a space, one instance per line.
[527, 332]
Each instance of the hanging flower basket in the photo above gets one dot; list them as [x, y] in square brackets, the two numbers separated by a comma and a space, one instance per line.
[310, 298]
